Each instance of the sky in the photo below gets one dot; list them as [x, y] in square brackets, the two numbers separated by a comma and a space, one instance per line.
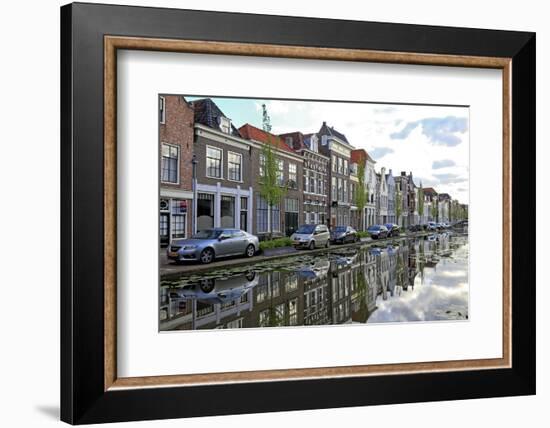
[431, 141]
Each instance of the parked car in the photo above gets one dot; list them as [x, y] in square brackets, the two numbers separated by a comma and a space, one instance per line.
[378, 231]
[208, 244]
[415, 228]
[311, 236]
[393, 229]
[431, 226]
[343, 234]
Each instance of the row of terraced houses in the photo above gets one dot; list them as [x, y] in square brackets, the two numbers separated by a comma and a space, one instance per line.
[210, 174]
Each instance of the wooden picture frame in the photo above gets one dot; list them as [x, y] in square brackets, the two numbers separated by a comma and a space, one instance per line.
[91, 390]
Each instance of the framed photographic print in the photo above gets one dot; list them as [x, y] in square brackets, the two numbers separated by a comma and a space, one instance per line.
[266, 213]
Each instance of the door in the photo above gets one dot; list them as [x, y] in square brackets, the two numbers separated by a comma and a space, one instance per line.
[291, 222]
[164, 223]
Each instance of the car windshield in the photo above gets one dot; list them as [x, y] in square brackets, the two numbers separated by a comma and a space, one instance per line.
[374, 227]
[207, 234]
[306, 228]
[340, 229]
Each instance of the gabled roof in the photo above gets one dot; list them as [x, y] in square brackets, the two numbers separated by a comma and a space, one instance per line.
[208, 113]
[252, 133]
[443, 196]
[330, 131]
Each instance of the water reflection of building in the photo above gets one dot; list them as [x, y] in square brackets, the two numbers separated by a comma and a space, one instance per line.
[343, 288]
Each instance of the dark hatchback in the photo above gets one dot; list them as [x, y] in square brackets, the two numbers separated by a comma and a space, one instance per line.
[378, 231]
[343, 234]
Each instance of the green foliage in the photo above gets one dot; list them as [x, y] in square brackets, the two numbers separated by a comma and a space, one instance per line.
[276, 243]
[271, 189]
[420, 201]
[363, 234]
[435, 211]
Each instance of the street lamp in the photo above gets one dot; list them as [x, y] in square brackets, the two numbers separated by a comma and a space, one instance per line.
[194, 187]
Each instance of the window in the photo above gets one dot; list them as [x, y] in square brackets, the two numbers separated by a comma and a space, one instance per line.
[213, 162]
[162, 110]
[276, 218]
[306, 181]
[205, 211]
[334, 161]
[262, 166]
[320, 187]
[292, 175]
[334, 190]
[340, 190]
[340, 166]
[346, 172]
[178, 226]
[225, 125]
[261, 215]
[234, 166]
[312, 183]
[280, 172]
[345, 191]
[169, 164]
[227, 208]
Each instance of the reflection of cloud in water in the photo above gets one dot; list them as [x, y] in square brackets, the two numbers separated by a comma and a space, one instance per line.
[441, 294]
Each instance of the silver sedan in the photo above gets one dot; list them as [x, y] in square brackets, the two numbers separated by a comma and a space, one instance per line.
[206, 245]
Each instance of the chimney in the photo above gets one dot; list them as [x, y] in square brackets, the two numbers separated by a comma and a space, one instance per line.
[403, 173]
[324, 123]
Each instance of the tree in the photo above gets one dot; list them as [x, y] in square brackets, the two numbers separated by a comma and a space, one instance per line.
[360, 196]
[398, 205]
[272, 189]
[434, 210]
[420, 202]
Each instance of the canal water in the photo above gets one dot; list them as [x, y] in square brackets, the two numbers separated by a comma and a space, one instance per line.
[404, 280]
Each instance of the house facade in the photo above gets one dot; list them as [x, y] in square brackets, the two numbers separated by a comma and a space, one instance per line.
[402, 198]
[382, 195]
[223, 171]
[283, 218]
[315, 176]
[444, 207]
[390, 183]
[337, 148]
[430, 204]
[176, 122]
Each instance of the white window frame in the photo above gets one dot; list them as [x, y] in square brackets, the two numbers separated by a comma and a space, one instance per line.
[225, 121]
[241, 165]
[178, 164]
[206, 163]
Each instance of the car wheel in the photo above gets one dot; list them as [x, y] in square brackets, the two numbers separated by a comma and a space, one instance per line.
[207, 285]
[207, 255]
[311, 245]
[327, 244]
[250, 250]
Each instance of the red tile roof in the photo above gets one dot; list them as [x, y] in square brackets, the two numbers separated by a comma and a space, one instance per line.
[252, 133]
[358, 156]
[429, 190]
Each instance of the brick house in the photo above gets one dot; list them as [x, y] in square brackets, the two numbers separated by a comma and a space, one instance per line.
[176, 121]
[223, 170]
[315, 176]
[284, 218]
[337, 148]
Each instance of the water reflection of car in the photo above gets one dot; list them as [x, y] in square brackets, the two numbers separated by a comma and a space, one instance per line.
[311, 236]
[393, 229]
[206, 245]
[378, 231]
[343, 234]
[218, 290]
